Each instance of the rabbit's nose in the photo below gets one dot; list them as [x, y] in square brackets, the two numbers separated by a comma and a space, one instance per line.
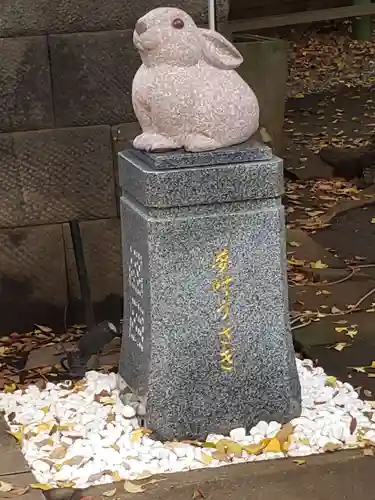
[140, 27]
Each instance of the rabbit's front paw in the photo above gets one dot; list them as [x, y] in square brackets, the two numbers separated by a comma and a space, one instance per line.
[196, 143]
[155, 142]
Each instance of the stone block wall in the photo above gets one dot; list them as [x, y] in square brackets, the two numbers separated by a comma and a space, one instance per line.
[66, 69]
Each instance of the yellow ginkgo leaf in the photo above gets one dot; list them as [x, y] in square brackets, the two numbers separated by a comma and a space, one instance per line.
[138, 433]
[318, 265]
[17, 434]
[340, 346]
[331, 381]
[296, 262]
[206, 459]
[351, 333]
[229, 446]
[358, 369]
[46, 427]
[10, 387]
[273, 446]
[116, 476]
[299, 462]
[299, 95]
[253, 449]
[41, 486]
[340, 329]
[372, 364]
[372, 220]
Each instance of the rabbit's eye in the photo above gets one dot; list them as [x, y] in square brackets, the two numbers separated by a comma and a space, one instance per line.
[178, 24]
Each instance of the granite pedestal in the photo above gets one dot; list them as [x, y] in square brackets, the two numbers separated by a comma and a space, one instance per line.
[207, 344]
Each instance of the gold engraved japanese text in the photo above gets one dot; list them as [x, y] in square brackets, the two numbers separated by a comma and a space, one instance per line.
[221, 285]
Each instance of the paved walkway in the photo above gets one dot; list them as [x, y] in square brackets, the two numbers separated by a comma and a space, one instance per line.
[337, 476]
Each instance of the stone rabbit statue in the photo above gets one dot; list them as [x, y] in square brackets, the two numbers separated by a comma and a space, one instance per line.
[187, 94]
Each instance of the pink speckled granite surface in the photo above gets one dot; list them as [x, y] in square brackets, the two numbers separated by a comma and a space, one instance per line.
[187, 94]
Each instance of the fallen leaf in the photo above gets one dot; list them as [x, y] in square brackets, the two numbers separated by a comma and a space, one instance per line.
[41, 486]
[372, 220]
[340, 346]
[371, 375]
[273, 446]
[367, 393]
[229, 446]
[66, 484]
[284, 433]
[318, 265]
[132, 488]
[353, 425]
[323, 292]
[5, 487]
[44, 329]
[300, 462]
[340, 329]
[294, 262]
[222, 457]
[59, 452]
[265, 135]
[358, 369]
[197, 493]
[332, 447]
[369, 452]
[299, 95]
[206, 459]
[10, 387]
[109, 493]
[351, 333]
[116, 476]
[253, 449]
[17, 435]
[74, 460]
[335, 310]
[294, 244]
[138, 433]
[331, 381]
[372, 364]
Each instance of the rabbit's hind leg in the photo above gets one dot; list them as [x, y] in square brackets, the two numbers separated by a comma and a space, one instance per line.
[151, 141]
[198, 142]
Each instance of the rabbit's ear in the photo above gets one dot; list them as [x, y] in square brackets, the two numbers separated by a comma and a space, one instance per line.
[218, 52]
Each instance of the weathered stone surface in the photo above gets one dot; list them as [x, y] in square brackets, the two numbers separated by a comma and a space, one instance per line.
[206, 342]
[220, 183]
[25, 83]
[101, 241]
[122, 137]
[55, 175]
[21, 17]
[32, 277]
[12, 201]
[92, 75]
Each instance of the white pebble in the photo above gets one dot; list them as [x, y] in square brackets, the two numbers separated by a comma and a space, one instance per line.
[128, 411]
[238, 434]
[98, 436]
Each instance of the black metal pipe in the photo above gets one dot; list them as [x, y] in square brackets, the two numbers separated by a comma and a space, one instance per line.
[82, 273]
